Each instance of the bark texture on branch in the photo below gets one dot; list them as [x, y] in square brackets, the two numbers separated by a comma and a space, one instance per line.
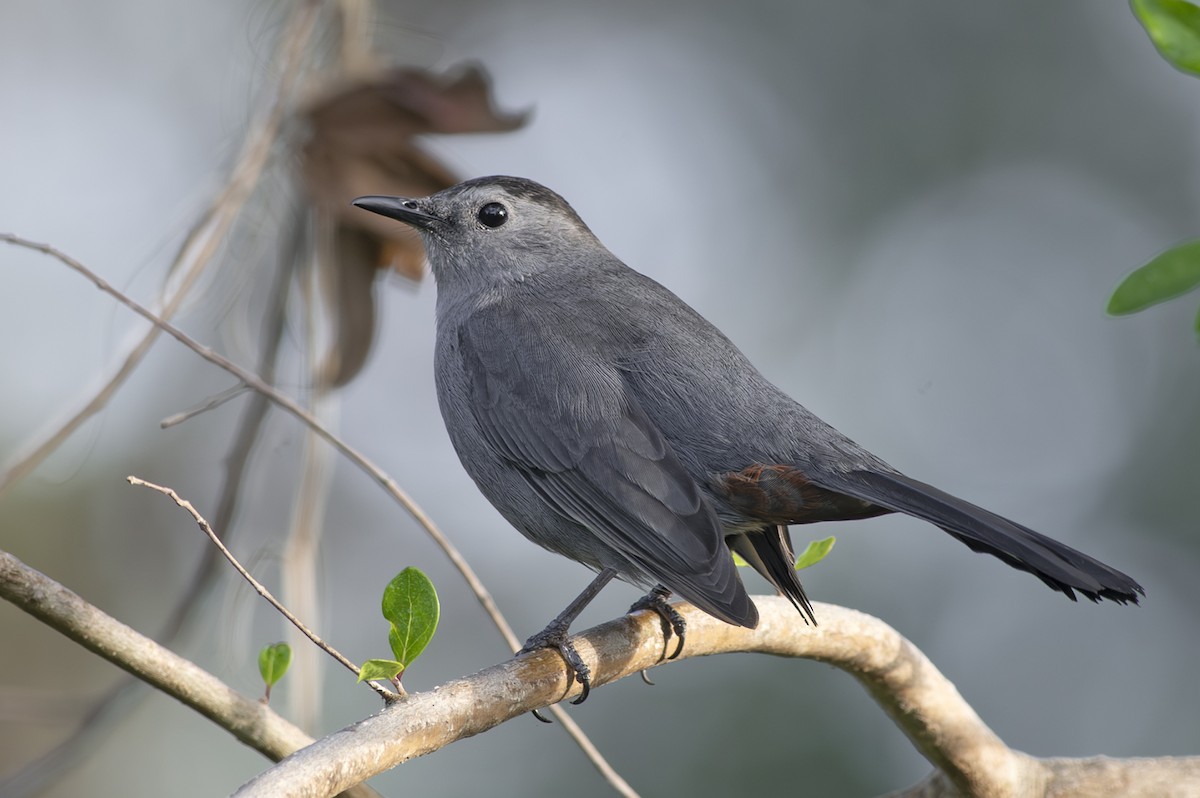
[970, 759]
[247, 719]
[1090, 777]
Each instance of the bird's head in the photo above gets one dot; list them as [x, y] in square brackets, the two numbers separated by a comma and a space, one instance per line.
[491, 229]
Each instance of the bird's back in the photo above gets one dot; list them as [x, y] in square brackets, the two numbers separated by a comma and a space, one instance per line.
[717, 411]
[714, 406]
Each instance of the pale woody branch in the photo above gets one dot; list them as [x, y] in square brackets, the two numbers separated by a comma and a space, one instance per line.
[247, 719]
[970, 759]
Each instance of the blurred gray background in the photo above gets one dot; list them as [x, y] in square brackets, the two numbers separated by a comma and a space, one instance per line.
[908, 214]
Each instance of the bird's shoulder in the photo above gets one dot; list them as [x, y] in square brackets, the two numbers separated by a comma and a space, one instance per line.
[515, 362]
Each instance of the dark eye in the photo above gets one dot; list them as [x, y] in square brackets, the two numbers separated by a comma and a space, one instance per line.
[492, 215]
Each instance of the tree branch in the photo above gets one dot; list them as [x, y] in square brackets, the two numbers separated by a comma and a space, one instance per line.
[970, 758]
[247, 719]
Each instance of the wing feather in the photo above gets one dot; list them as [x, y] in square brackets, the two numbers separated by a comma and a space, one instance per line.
[582, 442]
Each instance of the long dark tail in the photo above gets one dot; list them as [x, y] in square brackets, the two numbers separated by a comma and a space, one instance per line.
[1059, 566]
[769, 551]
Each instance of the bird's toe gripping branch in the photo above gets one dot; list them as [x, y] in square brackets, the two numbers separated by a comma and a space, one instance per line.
[672, 621]
[555, 636]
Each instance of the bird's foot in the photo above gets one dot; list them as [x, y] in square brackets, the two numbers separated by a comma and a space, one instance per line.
[672, 621]
[555, 636]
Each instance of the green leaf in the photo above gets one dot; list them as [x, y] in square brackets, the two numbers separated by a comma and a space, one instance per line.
[1174, 27]
[1196, 324]
[815, 552]
[273, 662]
[380, 669]
[397, 643]
[739, 561]
[1170, 274]
[410, 603]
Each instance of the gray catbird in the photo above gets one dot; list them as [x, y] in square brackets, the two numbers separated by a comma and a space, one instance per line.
[611, 423]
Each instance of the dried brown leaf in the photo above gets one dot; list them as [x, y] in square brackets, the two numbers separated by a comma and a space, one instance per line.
[361, 141]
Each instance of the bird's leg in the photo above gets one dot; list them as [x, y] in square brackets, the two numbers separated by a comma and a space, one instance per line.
[555, 635]
[672, 621]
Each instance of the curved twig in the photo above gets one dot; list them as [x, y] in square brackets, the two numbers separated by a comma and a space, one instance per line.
[259, 587]
[204, 240]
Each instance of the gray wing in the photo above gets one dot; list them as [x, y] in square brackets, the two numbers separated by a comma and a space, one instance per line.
[568, 423]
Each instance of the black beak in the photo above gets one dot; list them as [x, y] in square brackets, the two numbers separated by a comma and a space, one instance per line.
[401, 208]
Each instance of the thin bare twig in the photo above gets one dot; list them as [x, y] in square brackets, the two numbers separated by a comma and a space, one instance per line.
[210, 232]
[211, 403]
[259, 587]
[291, 406]
[247, 719]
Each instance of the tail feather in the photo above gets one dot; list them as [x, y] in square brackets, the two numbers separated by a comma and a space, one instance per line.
[769, 552]
[1061, 567]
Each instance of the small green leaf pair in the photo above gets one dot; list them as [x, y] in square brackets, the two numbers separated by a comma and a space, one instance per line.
[1174, 28]
[410, 605]
[812, 554]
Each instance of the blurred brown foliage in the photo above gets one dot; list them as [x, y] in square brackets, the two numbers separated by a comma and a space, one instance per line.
[362, 140]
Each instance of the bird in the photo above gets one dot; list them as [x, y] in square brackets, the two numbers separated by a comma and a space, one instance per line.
[609, 422]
